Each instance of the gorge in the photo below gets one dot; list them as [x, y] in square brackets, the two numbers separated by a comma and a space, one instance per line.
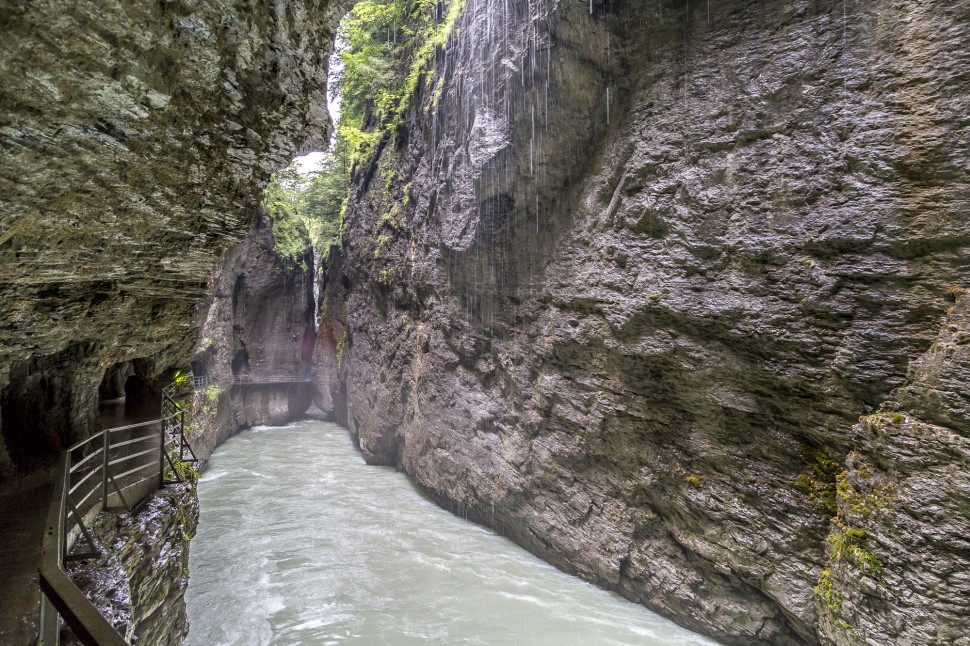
[670, 293]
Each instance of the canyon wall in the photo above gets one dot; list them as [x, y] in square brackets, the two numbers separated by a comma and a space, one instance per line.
[627, 278]
[260, 323]
[135, 141]
[643, 267]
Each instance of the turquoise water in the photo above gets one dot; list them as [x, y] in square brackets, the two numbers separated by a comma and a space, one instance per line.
[300, 542]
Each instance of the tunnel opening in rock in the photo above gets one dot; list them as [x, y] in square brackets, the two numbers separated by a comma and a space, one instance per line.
[33, 431]
[142, 399]
[240, 362]
[127, 394]
[112, 386]
[200, 366]
[46, 407]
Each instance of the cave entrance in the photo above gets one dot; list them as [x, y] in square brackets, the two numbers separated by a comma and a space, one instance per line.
[112, 388]
[34, 420]
[142, 400]
[240, 362]
[200, 367]
[127, 396]
[44, 408]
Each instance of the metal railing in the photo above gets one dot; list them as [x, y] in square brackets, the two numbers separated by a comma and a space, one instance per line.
[116, 468]
[241, 380]
[203, 382]
[273, 379]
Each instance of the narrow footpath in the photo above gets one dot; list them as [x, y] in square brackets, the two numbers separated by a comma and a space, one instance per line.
[23, 511]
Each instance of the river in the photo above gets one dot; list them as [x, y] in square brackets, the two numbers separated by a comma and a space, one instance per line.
[300, 542]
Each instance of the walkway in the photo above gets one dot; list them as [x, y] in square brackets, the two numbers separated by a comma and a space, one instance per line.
[23, 512]
[245, 380]
[24, 504]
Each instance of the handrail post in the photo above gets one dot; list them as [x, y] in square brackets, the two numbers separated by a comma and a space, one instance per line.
[182, 434]
[104, 471]
[62, 545]
[50, 630]
[161, 454]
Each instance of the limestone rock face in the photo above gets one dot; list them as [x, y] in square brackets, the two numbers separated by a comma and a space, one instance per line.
[135, 139]
[260, 323]
[330, 353]
[139, 583]
[655, 261]
[899, 553]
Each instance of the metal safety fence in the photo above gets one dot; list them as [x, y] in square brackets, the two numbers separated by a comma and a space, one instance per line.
[115, 469]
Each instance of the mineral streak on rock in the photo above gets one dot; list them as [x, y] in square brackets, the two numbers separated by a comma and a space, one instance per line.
[655, 261]
[135, 140]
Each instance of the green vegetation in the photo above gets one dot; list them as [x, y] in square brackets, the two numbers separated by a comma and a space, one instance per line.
[307, 211]
[859, 492]
[184, 471]
[206, 402]
[867, 495]
[849, 546]
[820, 481]
[882, 418]
[694, 479]
[390, 45]
[341, 349]
[825, 590]
[382, 241]
[388, 48]
[831, 599]
[390, 219]
[213, 393]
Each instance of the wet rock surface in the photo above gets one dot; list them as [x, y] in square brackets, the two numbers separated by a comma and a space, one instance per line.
[135, 140]
[139, 583]
[654, 263]
[899, 547]
[23, 519]
[260, 323]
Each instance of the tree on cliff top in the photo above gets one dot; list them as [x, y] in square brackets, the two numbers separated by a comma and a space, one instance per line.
[386, 47]
[307, 210]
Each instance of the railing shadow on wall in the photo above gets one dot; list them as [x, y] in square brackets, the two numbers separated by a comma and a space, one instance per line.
[115, 469]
